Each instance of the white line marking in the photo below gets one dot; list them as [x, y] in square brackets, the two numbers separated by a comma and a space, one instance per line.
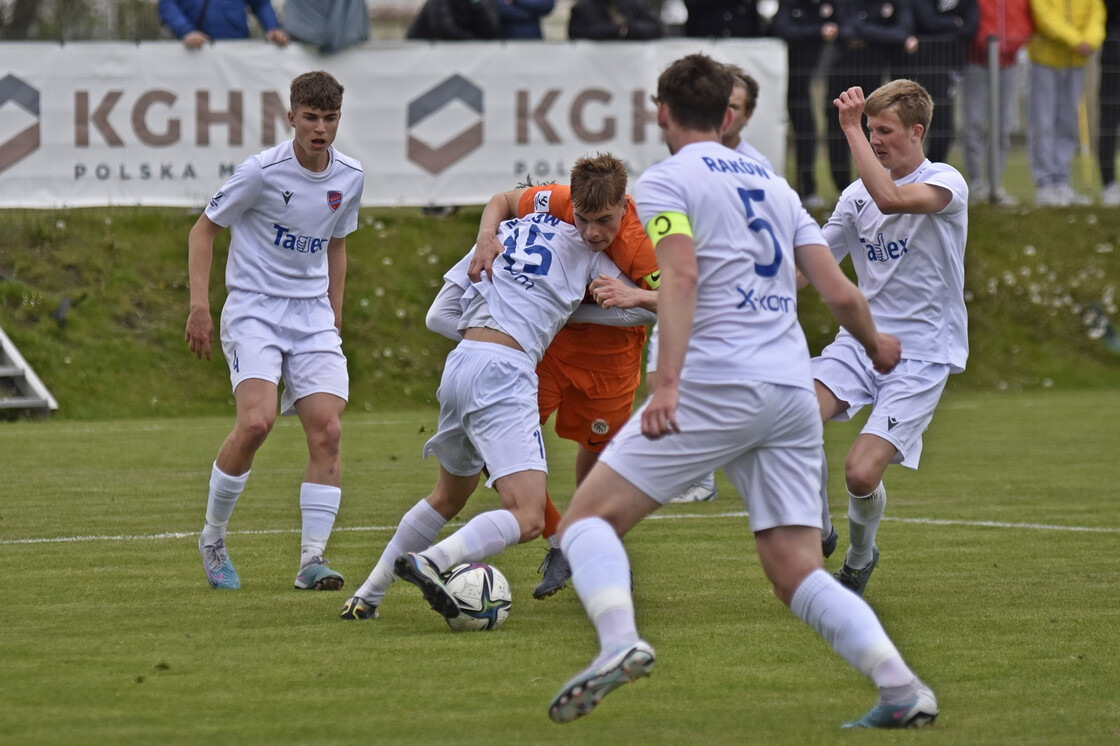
[654, 517]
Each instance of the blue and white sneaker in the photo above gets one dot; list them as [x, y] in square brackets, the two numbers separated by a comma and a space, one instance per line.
[419, 570]
[316, 576]
[219, 570]
[586, 690]
[918, 712]
[358, 608]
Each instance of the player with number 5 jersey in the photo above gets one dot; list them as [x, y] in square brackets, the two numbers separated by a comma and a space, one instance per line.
[733, 391]
[749, 304]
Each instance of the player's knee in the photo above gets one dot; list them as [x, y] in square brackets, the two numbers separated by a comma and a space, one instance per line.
[327, 436]
[255, 428]
[531, 525]
[861, 479]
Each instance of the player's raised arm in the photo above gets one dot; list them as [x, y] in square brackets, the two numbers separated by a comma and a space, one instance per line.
[501, 207]
[200, 255]
[891, 152]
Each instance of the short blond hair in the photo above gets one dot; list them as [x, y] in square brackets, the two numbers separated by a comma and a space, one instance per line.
[912, 102]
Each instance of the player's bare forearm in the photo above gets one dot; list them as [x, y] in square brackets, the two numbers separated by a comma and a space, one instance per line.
[876, 179]
[200, 255]
[336, 277]
[676, 256]
[501, 207]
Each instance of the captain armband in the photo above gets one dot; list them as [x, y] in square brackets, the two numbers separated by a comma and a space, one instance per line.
[668, 224]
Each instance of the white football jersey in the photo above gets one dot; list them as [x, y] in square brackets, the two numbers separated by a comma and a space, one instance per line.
[282, 217]
[910, 266]
[746, 223]
[538, 281]
[751, 151]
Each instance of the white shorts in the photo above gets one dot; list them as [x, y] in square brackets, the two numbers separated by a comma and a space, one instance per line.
[765, 437]
[293, 340]
[488, 413]
[902, 400]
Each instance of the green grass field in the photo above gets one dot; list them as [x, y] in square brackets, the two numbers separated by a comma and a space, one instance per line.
[998, 582]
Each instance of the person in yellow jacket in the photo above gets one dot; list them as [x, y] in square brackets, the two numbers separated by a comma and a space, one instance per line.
[1067, 32]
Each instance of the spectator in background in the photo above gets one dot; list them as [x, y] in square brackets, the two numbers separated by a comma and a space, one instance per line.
[806, 26]
[613, 20]
[1067, 32]
[331, 26]
[521, 19]
[722, 19]
[1109, 104]
[944, 29]
[876, 37]
[1010, 22]
[456, 20]
[199, 22]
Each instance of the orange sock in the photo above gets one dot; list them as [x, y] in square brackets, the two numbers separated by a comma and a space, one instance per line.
[551, 518]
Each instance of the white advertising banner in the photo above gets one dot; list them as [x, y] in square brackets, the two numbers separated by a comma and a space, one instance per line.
[90, 124]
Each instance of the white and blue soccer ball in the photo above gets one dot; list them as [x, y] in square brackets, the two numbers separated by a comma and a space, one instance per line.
[483, 595]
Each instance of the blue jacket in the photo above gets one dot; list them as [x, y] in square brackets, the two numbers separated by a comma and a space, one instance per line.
[225, 19]
[521, 19]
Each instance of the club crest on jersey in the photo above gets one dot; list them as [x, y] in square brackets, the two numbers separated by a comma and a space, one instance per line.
[334, 199]
[541, 200]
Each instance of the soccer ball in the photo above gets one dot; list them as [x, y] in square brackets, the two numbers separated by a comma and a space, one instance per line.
[482, 593]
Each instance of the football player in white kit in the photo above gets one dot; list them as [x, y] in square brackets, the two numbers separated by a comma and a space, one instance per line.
[744, 98]
[489, 415]
[904, 223]
[733, 391]
[289, 210]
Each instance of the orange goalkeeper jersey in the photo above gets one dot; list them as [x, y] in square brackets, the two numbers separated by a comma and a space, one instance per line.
[594, 346]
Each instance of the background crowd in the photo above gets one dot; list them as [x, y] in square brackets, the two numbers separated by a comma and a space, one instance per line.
[1057, 63]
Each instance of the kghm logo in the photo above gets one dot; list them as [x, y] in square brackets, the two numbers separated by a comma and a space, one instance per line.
[428, 108]
[21, 144]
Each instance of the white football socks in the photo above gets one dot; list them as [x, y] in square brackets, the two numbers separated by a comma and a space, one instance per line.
[849, 625]
[601, 577]
[318, 503]
[483, 536]
[864, 514]
[224, 493]
[417, 530]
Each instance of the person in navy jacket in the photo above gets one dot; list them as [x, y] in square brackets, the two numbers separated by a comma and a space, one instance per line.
[521, 19]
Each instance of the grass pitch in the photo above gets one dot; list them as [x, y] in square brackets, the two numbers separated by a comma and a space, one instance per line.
[997, 582]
